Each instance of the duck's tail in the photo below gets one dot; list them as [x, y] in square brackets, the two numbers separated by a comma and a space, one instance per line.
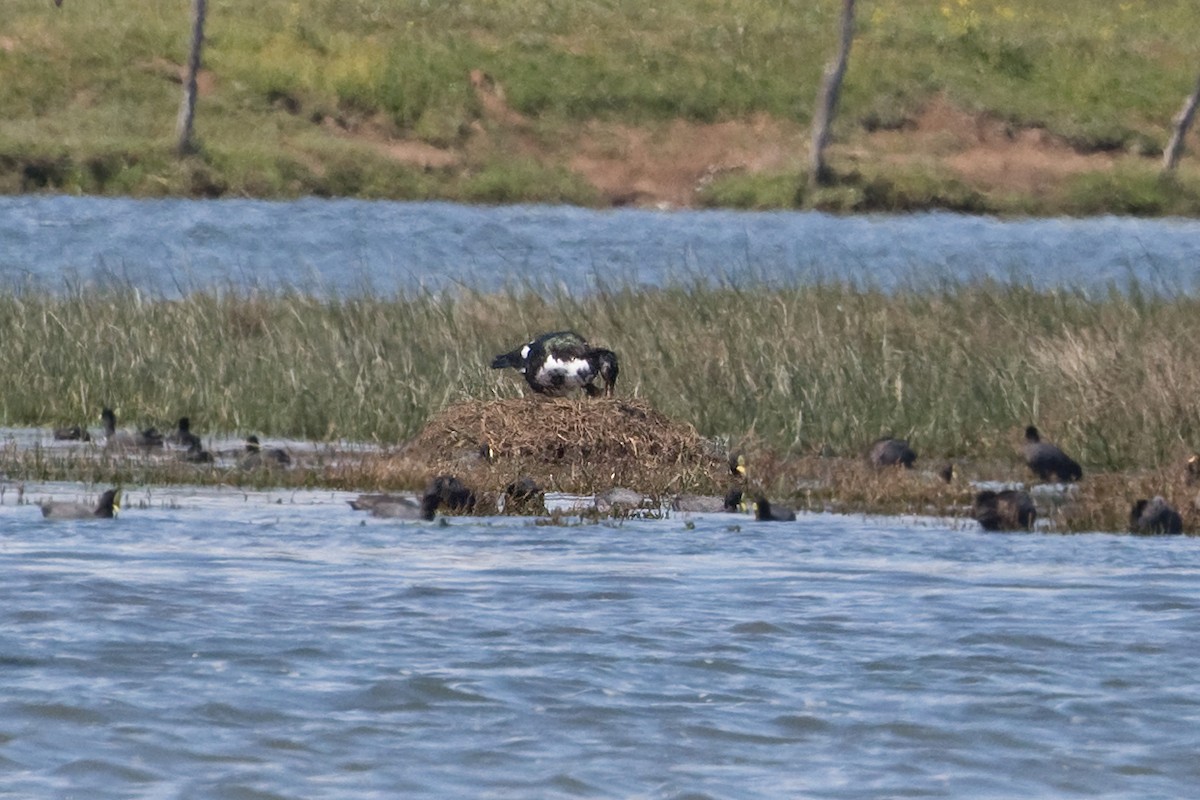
[512, 359]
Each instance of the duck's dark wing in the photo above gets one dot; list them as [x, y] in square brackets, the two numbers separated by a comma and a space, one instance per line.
[560, 339]
[889, 452]
[562, 345]
[1047, 460]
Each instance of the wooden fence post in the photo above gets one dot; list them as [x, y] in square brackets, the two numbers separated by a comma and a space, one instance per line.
[827, 98]
[187, 108]
[1182, 122]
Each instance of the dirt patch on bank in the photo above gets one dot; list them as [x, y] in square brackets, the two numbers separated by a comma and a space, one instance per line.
[669, 164]
[987, 153]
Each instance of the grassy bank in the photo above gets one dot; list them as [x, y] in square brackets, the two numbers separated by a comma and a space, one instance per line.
[375, 99]
[809, 371]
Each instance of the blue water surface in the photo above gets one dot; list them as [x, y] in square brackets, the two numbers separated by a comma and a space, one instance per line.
[172, 246]
[225, 644]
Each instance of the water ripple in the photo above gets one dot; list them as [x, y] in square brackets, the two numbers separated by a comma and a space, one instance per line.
[172, 246]
[619, 662]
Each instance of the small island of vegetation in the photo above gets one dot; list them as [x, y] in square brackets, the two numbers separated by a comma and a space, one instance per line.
[802, 381]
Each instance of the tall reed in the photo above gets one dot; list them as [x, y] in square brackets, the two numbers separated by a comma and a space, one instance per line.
[822, 369]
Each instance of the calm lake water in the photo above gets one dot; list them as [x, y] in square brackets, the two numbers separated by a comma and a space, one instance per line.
[348, 246]
[221, 644]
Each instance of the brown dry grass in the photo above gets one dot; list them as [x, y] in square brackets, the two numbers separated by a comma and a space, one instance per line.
[587, 446]
[570, 445]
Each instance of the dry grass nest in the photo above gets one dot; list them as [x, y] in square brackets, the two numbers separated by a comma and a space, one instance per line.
[573, 445]
[589, 445]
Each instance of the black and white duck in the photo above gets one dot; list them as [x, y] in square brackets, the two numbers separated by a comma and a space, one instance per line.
[1047, 461]
[107, 508]
[557, 363]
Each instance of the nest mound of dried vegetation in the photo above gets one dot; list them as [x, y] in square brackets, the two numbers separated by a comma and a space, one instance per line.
[573, 445]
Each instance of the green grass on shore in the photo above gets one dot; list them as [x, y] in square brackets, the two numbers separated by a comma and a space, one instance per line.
[89, 92]
[818, 370]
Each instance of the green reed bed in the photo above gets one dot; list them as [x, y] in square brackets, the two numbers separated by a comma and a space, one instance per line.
[811, 371]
